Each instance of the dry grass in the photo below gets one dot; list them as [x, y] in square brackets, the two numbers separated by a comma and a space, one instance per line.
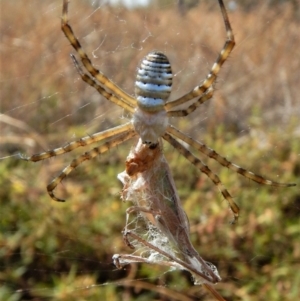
[54, 251]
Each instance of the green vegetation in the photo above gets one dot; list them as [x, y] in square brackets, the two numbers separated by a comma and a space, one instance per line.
[62, 251]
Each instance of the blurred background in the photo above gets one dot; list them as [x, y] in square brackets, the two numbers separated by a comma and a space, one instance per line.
[63, 251]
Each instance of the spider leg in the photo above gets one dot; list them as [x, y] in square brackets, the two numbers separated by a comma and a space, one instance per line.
[204, 97]
[67, 30]
[205, 169]
[109, 96]
[223, 161]
[80, 142]
[211, 77]
[114, 141]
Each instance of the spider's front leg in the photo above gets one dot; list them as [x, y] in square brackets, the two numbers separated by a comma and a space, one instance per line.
[87, 156]
[223, 161]
[173, 134]
[114, 137]
[81, 142]
[206, 170]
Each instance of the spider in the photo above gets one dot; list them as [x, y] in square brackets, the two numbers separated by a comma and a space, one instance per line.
[150, 110]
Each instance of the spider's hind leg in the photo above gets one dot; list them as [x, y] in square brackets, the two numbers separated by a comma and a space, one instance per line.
[212, 76]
